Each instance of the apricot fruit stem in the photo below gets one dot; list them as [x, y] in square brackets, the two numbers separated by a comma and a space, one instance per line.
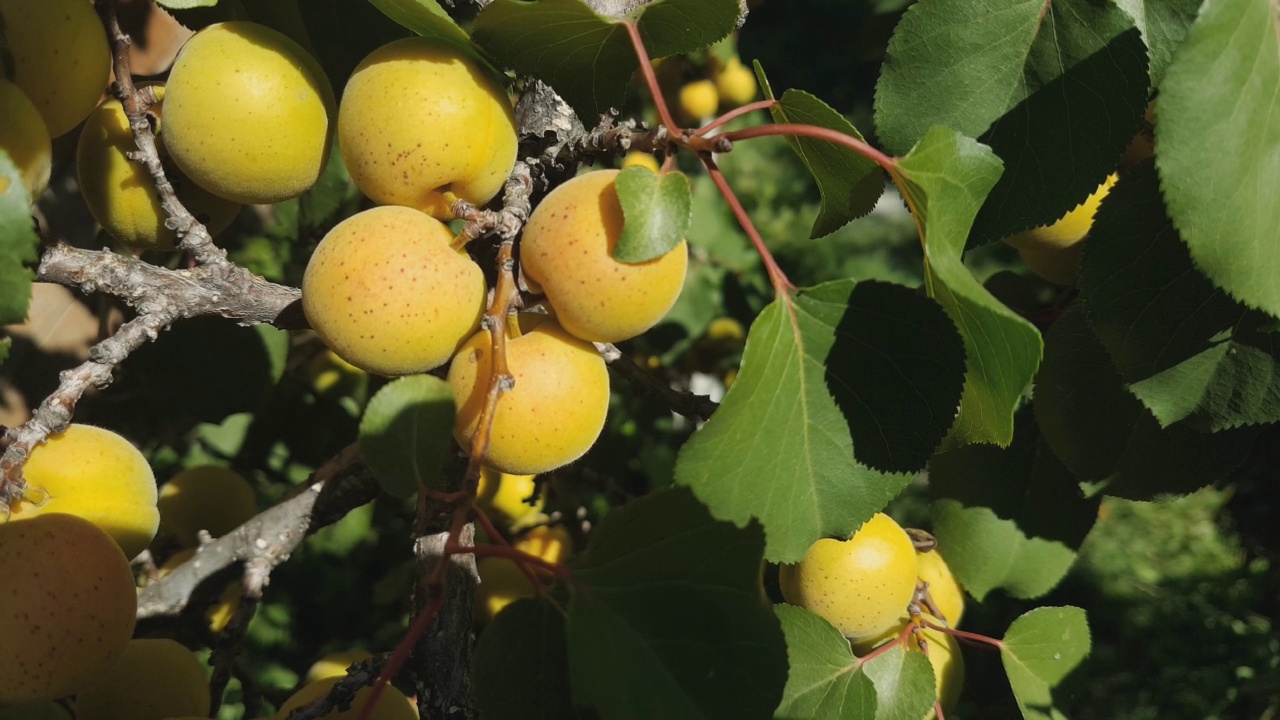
[192, 234]
[967, 637]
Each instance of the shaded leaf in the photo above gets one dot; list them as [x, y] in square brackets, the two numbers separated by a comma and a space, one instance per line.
[1057, 90]
[946, 178]
[18, 242]
[1185, 349]
[1220, 92]
[588, 58]
[825, 681]
[1040, 649]
[668, 618]
[842, 377]
[1103, 433]
[657, 211]
[850, 183]
[407, 433]
[522, 666]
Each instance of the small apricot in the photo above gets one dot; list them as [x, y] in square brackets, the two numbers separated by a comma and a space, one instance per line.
[210, 497]
[392, 704]
[154, 679]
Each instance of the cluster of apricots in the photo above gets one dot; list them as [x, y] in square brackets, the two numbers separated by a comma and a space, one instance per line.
[876, 586]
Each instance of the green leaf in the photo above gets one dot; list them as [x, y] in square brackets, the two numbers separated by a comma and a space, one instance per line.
[588, 58]
[1103, 433]
[657, 210]
[1040, 649]
[18, 242]
[1220, 93]
[947, 176]
[904, 684]
[1185, 349]
[1010, 518]
[521, 664]
[668, 617]
[849, 182]
[1057, 90]
[5, 345]
[407, 432]
[1164, 24]
[185, 4]
[425, 18]
[836, 380]
[825, 681]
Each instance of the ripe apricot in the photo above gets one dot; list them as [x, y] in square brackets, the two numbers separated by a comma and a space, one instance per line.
[209, 497]
[861, 585]
[248, 113]
[1053, 251]
[392, 704]
[25, 138]
[154, 679]
[503, 495]
[120, 192]
[639, 158]
[944, 589]
[501, 583]
[468, 147]
[552, 415]
[388, 293]
[699, 100]
[60, 57]
[67, 606]
[335, 664]
[567, 249]
[735, 83]
[98, 475]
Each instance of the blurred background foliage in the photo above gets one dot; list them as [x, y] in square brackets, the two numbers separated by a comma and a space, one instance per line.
[1182, 595]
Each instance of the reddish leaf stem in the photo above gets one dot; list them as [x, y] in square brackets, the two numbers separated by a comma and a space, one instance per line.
[836, 137]
[962, 635]
[901, 638]
[734, 114]
[781, 285]
[651, 79]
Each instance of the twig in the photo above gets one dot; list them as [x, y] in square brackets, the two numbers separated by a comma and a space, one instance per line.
[691, 405]
[360, 675]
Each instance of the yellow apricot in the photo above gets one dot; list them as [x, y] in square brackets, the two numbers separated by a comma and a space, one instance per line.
[329, 374]
[552, 415]
[501, 583]
[639, 158]
[153, 680]
[502, 496]
[25, 138]
[60, 57]
[452, 131]
[944, 589]
[248, 113]
[861, 585]
[388, 293]
[120, 192]
[67, 606]
[98, 475]
[735, 84]
[35, 711]
[548, 542]
[209, 497]
[219, 615]
[699, 100]
[392, 704]
[335, 664]
[567, 249]
[1053, 251]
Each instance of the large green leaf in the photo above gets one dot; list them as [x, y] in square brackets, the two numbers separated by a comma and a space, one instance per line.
[588, 58]
[668, 617]
[407, 433]
[1103, 433]
[657, 210]
[947, 176]
[1219, 147]
[1040, 649]
[850, 183]
[1186, 349]
[1164, 24]
[1057, 90]
[521, 664]
[1008, 518]
[18, 241]
[839, 379]
[904, 684]
[825, 681]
